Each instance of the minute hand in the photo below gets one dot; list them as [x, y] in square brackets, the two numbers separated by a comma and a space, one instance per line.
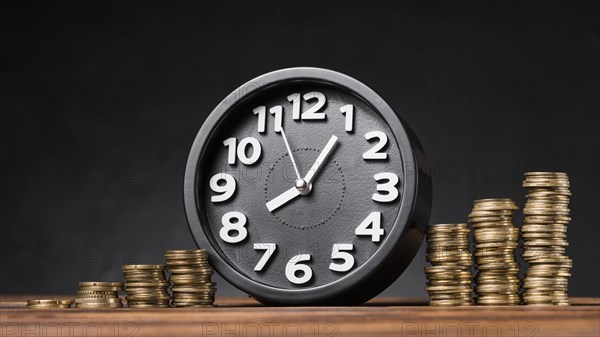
[320, 159]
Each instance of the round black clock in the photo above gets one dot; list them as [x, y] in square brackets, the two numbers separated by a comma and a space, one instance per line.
[307, 188]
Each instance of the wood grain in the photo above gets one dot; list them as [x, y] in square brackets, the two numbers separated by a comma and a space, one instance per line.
[246, 317]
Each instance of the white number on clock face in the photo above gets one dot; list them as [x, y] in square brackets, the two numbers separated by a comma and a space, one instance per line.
[295, 100]
[313, 111]
[261, 112]
[389, 186]
[339, 252]
[348, 110]
[241, 150]
[226, 190]
[371, 226]
[294, 266]
[236, 226]
[278, 112]
[374, 153]
[269, 249]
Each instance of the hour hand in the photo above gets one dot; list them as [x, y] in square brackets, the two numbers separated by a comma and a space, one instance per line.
[283, 199]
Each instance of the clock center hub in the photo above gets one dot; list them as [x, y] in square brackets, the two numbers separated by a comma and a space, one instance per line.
[303, 187]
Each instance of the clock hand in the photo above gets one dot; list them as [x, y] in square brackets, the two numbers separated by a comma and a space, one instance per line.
[287, 145]
[283, 199]
[320, 159]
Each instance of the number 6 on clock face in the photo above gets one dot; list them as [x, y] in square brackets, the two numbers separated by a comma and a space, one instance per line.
[294, 266]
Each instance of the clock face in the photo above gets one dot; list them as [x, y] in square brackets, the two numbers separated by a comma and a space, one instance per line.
[298, 185]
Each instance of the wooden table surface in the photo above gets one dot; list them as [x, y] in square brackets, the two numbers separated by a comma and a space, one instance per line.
[245, 317]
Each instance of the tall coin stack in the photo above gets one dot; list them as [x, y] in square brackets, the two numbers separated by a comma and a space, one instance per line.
[146, 286]
[544, 233]
[449, 276]
[94, 295]
[191, 277]
[495, 238]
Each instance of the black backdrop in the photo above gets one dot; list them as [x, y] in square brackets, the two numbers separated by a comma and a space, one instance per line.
[101, 101]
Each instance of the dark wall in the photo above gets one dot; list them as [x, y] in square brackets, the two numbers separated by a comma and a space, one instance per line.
[101, 101]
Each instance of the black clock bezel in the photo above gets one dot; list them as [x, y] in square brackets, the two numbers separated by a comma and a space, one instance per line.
[393, 255]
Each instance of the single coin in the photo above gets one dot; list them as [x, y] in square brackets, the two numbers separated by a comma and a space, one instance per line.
[101, 284]
[143, 267]
[97, 300]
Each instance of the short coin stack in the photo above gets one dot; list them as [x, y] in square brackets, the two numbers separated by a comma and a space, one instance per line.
[449, 276]
[544, 233]
[94, 295]
[495, 238]
[146, 286]
[191, 277]
[49, 304]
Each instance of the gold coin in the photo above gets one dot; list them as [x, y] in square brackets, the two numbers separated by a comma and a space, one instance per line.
[143, 267]
[91, 288]
[493, 201]
[97, 296]
[98, 305]
[34, 306]
[451, 275]
[97, 300]
[535, 228]
[546, 174]
[185, 251]
[447, 228]
[186, 302]
[447, 288]
[147, 284]
[498, 266]
[96, 292]
[545, 242]
[101, 284]
[449, 303]
[43, 302]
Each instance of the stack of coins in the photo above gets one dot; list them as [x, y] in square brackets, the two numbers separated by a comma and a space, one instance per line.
[544, 233]
[190, 278]
[49, 304]
[99, 295]
[449, 276]
[146, 286]
[495, 238]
